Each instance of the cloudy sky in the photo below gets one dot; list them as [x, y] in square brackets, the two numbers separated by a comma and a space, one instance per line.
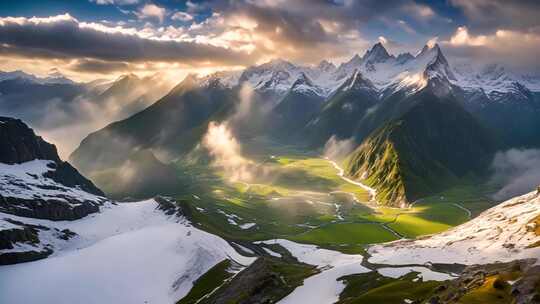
[88, 39]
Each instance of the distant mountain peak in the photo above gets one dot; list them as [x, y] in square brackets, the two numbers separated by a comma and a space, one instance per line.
[428, 49]
[357, 81]
[303, 79]
[278, 63]
[404, 57]
[326, 66]
[303, 84]
[127, 77]
[376, 54]
[438, 66]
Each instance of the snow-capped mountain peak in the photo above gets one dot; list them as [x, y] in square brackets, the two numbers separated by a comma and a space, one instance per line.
[53, 78]
[438, 66]
[304, 85]
[404, 57]
[376, 54]
[325, 66]
[357, 81]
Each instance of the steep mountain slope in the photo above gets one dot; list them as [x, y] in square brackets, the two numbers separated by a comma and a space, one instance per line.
[35, 182]
[498, 110]
[506, 232]
[432, 144]
[53, 104]
[300, 103]
[340, 115]
[173, 124]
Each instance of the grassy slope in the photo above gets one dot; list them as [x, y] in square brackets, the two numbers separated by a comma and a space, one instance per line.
[434, 145]
[373, 288]
[292, 217]
[207, 283]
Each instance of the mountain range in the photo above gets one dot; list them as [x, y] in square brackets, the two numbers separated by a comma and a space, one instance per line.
[55, 103]
[390, 106]
[50, 212]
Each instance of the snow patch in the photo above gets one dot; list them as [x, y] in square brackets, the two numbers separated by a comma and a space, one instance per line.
[322, 287]
[128, 253]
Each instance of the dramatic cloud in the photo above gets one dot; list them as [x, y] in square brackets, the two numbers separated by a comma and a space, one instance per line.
[304, 31]
[490, 14]
[65, 37]
[115, 2]
[337, 149]
[182, 16]
[98, 66]
[225, 34]
[517, 170]
[152, 11]
[517, 49]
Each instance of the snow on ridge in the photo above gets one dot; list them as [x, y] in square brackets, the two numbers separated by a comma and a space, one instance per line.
[502, 233]
[127, 253]
[322, 287]
[383, 70]
[27, 181]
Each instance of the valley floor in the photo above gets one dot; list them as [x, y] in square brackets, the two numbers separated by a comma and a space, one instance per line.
[311, 223]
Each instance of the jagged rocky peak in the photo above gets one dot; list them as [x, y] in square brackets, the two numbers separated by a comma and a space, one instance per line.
[55, 76]
[376, 54]
[438, 66]
[190, 81]
[427, 49]
[277, 64]
[303, 79]
[35, 182]
[356, 60]
[20, 143]
[404, 57]
[303, 84]
[128, 77]
[358, 81]
[326, 66]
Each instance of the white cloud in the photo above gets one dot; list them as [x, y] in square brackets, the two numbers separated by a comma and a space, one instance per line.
[116, 2]
[152, 11]
[182, 16]
[420, 11]
[462, 37]
[514, 48]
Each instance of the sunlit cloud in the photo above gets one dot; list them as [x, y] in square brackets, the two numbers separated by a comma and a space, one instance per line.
[152, 11]
[182, 16]
[517, 49]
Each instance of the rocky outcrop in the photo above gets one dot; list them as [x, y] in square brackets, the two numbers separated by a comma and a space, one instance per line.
[61, 209]
[170, 206]
[22, 243]
[514, 282]
[267, 280]
[66, 175]
[20, 143]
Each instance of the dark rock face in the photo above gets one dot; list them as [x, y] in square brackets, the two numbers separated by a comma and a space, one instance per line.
[18, 144]
[68, 176]
[23, 234]
[170, 206]
[54, 209]
[21, 144]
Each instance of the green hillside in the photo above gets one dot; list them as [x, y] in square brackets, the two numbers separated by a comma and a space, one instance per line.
[431, 146]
